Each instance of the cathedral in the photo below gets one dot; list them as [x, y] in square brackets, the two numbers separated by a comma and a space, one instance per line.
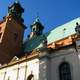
[54, 55]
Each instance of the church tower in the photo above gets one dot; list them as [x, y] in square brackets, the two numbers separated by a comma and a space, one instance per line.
[16, 10]
[11, 33]
[36, 28]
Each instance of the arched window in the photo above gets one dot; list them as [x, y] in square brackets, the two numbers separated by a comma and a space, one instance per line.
[30, 77]
[64, 71]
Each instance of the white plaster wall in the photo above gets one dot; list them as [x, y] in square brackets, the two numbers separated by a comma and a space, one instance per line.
[70, 57]
[11, 72]
[44, 68]
[2, 74]
[33, 67]
[21, 71]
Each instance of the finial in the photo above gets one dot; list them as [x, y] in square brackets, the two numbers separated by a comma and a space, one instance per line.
[37, 18]
[17, 1]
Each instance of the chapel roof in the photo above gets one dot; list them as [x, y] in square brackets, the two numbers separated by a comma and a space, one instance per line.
[56, 34]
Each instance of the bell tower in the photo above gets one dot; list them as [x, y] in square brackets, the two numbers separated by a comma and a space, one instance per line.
[12, 31]
[16, 10]
[36, 28]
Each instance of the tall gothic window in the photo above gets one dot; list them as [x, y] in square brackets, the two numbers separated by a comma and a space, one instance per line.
[64, 71]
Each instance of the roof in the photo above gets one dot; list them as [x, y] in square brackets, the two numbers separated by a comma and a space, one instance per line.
[56, 34]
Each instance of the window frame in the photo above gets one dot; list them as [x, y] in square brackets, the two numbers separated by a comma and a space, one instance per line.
[65, 71]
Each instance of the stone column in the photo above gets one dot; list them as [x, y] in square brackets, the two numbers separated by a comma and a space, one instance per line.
[44, 65]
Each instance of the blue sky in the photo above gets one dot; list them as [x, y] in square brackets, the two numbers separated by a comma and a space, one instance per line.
[52, 13]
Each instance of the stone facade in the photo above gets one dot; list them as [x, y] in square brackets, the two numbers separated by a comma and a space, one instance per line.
[43, 65]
